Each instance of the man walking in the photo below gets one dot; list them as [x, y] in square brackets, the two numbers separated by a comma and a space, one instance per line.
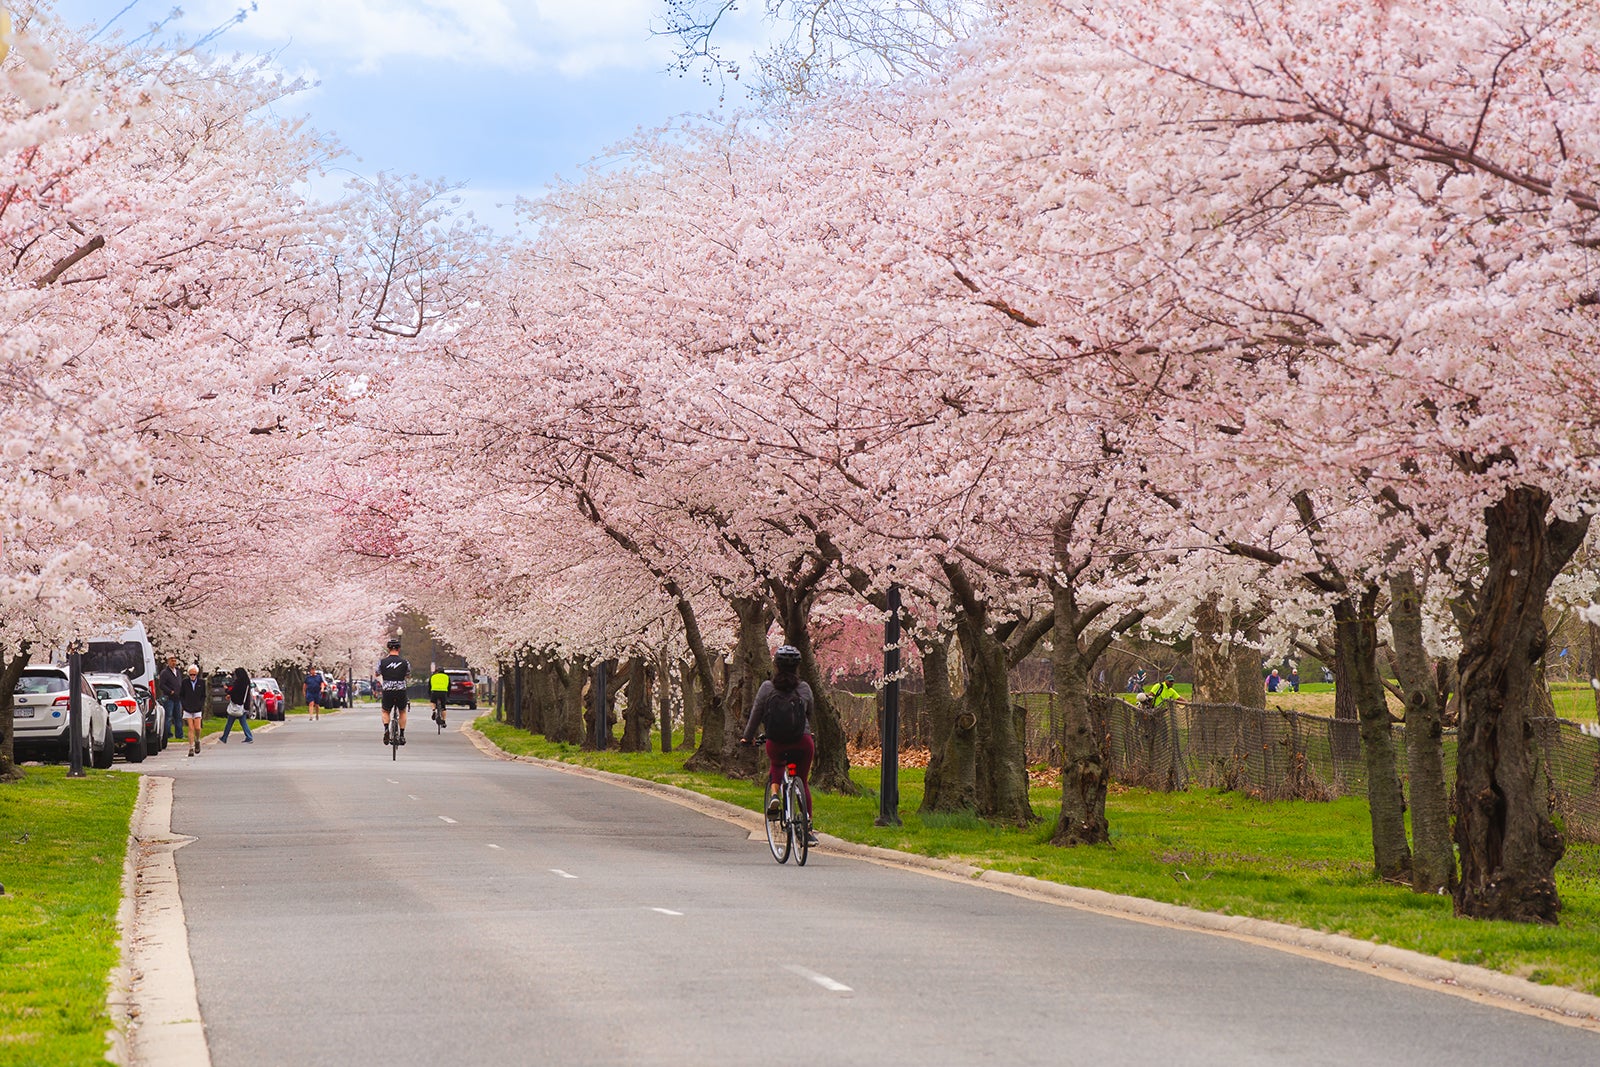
[168, 683]
[313, 694]
[192, 697]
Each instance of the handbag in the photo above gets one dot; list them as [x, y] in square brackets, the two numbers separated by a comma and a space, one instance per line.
[235, 711]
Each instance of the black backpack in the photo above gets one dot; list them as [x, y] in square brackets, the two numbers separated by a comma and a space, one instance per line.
[785, 717]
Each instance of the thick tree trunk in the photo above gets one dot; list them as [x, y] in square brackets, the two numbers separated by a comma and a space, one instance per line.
[1247, 668]
[1002, 771]
[664, 699]
[1541, 705]
[1433, 857]
[565, 723]
[1508, 845]
[943, 787]
[10, 671]
[691, 702]
[1216, 675]
[1356, 645]
[1084, 771]
[638, 717]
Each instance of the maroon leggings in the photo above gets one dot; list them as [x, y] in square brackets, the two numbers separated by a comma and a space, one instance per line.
[800, 753]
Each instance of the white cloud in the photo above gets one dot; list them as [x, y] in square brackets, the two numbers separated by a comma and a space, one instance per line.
[573, 36]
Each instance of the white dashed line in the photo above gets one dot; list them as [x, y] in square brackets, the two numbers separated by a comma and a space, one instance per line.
[667, 911]
[448, 819]
[413, 796]
[821, 979]
[564, 874]
[496, 848]
[391, 781]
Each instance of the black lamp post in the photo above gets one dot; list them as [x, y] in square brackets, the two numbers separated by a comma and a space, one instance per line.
[75, 709]
[889, 769]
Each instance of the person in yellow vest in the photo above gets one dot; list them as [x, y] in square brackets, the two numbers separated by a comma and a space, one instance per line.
[439, 684]
[1162, 691]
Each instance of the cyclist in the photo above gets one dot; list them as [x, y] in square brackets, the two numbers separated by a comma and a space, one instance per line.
[799, 746]
[439, 685]
[393, 671]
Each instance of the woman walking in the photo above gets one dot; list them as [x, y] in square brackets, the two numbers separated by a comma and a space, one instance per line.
[238, 704]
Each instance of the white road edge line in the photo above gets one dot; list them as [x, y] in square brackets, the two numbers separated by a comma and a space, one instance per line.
[564, 874]
[447, 819]
[821, 979]
[667, 911]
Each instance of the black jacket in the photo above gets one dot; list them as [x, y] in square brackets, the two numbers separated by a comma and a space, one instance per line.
[192, 695]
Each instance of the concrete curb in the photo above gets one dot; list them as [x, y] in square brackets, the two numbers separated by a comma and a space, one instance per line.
[1555, 1002]
[153, 994]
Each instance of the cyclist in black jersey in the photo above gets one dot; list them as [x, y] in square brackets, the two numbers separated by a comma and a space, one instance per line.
[393, 673]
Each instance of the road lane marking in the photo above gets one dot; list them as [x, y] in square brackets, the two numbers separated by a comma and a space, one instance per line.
[821, 979]
[391, 781]
[496, 848]
[667, 911]
[564, 874]
[412, 796]
[448, 819]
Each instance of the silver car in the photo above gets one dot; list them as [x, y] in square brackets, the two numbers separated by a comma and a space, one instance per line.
[40, 715]
[127, 721]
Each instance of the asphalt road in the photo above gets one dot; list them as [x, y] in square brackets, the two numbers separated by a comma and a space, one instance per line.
[447, 908]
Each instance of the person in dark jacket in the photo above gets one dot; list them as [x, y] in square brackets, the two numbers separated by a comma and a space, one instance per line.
[785, 680]
[168, 683]
[192, 697]
[239, 701]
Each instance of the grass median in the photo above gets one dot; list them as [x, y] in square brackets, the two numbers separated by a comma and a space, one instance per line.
[1299, 862]
[62, 845]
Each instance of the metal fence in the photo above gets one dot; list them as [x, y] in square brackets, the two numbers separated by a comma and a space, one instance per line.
[1273, 754]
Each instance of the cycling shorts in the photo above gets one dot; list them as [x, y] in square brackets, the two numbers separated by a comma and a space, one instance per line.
[394, 700]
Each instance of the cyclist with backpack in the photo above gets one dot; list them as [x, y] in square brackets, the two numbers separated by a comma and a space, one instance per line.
[783, 708]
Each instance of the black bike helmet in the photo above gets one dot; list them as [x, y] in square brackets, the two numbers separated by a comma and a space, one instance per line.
[394, 644]
[786, 656]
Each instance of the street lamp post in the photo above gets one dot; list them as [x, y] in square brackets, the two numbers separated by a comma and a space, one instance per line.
[75, 709]
[889, 766]
[600, 709]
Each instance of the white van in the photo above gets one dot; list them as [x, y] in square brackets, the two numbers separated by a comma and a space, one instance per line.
[126, 653]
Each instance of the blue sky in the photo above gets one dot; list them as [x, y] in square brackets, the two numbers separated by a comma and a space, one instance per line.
[503, 95]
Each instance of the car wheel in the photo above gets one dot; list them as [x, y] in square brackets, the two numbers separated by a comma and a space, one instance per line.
[136, 750]
[101, 755]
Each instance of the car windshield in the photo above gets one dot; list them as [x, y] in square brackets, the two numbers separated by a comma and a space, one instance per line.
[43, 682]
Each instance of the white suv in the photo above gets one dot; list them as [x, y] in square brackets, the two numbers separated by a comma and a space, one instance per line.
[127, 722]
[41, 713]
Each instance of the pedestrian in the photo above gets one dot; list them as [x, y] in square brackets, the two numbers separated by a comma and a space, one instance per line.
[313, 694]
[239, 704]
[1327, 676]
[1273, 681]
[1162, 691]
[192, 698]
[1294, 679]
[168, 682]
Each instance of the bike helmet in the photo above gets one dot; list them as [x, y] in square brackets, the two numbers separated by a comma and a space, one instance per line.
[394, 644]
[786, 656]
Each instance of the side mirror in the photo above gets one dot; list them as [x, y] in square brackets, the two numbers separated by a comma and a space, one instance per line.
[110, 706]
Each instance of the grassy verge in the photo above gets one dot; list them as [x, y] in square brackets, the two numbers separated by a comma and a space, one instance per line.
[1303, 863]
[62, 845]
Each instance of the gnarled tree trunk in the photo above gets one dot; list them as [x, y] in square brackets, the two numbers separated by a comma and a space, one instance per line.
[10, 671]
[1433, 858]
[950, 782]
[638, 717]
[1356, 646]
[1508, 845]
[1216, 675]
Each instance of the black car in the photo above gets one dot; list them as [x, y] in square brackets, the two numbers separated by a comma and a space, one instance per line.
[463, 690]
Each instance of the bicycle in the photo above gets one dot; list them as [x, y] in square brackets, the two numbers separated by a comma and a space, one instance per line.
[394, 730]
[438, 714]
[791, 831]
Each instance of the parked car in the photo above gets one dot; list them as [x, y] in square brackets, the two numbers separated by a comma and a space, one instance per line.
[127, 721]
[155, 716]
[41, 713]
[463, 690]
[268, 702]
[363, 687]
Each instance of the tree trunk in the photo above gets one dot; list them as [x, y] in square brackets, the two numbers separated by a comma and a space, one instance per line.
[1084, 771]
[1216, 675]
[1002, 771]
[1433, 857]
[1592, 676]
[730, 705]
[664, 699]
[691, 702]
[1508, 845]
[10, 671]
[1247, 668]
[1356, 645]
[943, 790]
[638, 716]
[565, 724]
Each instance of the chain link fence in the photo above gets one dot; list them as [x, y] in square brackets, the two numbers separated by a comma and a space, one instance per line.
[1273, 754]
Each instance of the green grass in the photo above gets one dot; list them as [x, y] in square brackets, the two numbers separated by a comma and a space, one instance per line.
[62, 845]
[1302, 863]
[1573, 700]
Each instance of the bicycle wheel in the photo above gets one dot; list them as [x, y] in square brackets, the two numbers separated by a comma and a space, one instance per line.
[800, 824]
[394, 739]
[779, 838]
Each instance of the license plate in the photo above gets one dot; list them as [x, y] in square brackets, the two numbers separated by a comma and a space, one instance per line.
[22, 713]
